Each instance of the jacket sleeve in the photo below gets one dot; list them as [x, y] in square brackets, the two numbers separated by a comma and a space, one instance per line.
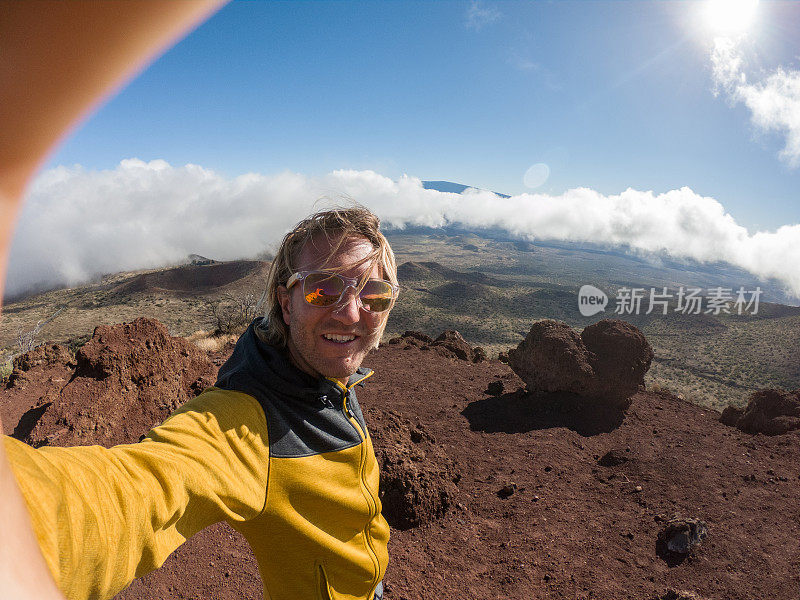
[106, 516]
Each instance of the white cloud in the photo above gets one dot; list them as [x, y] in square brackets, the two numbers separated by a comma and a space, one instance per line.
[774, 102]
[78, 224]
[480, 15]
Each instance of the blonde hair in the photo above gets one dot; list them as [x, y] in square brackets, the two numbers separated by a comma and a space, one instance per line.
[338, 225]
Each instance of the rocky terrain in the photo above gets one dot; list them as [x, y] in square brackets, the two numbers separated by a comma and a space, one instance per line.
[491, 297]
[495, 484]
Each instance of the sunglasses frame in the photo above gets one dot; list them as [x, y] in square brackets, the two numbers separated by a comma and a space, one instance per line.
[349, 282]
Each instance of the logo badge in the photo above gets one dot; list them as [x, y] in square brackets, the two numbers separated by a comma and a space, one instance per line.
[591, 300]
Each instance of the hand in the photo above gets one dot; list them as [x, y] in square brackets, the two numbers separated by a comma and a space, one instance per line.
[23, 572]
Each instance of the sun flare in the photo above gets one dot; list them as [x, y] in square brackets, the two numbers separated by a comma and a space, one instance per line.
[730, 17]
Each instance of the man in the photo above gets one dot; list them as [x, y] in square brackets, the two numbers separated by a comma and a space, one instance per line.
[94, 518]
[278, 448]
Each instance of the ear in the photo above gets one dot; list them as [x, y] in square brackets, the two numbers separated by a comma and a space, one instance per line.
[285, 301]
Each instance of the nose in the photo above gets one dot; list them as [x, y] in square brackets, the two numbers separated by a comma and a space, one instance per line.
[348, 310]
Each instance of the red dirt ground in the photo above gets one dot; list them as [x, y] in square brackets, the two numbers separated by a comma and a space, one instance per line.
[566, 528]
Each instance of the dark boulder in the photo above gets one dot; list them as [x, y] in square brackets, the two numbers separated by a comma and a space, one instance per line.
[607, 362]
[622, 355]
[770, 411]
[679, 537]
[451, 343]
[415, 338]
[553, 358]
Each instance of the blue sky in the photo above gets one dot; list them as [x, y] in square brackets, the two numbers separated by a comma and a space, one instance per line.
[660, 133]
[610, 95]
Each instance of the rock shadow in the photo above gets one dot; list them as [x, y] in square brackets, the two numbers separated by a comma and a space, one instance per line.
[672, 559]
[28, 421]
[519, 412]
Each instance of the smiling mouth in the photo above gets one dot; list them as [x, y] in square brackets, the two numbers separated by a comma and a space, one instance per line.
[339, 339]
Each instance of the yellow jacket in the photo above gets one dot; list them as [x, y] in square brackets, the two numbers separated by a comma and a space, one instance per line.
[283, 458]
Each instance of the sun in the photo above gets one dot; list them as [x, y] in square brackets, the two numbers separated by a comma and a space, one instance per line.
[729, 17]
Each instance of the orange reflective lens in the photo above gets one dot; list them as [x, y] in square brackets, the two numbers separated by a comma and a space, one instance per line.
[376, 295]
[321, 288]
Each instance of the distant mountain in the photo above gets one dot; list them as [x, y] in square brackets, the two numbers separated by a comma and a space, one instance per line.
[197, 277]
[452, 188]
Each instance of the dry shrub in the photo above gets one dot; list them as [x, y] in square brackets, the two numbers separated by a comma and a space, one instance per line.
[6, 366]
[28, 340]
[232, 314]
[659, 387]
[209, 342]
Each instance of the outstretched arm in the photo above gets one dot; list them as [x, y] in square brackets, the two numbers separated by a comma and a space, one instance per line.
[60, 59]
[104, 516]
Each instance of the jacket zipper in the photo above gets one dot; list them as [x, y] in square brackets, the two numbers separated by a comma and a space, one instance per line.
[370, 500]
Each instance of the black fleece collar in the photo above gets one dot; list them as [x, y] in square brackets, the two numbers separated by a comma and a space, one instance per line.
[305, 415]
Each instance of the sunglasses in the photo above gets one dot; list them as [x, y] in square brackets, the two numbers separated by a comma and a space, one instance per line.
[325, 289]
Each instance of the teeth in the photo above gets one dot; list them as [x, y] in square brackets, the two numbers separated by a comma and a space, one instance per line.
[339, 338]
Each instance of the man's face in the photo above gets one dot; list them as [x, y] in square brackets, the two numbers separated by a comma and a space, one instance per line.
[312, 329]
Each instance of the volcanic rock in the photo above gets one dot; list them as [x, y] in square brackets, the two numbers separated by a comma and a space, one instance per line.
[507, 490]
[34, 383]
[606, 362]
[418, 480]
[128, 378]
[450, 344]
[52, 354]
[622, 355]
[770, 411]
[731, 415]
[415, 338]
[680, 536]
[553, 358]
[37, 363]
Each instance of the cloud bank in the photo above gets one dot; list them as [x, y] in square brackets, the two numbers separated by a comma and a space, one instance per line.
[78, 223]
[774, 102]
